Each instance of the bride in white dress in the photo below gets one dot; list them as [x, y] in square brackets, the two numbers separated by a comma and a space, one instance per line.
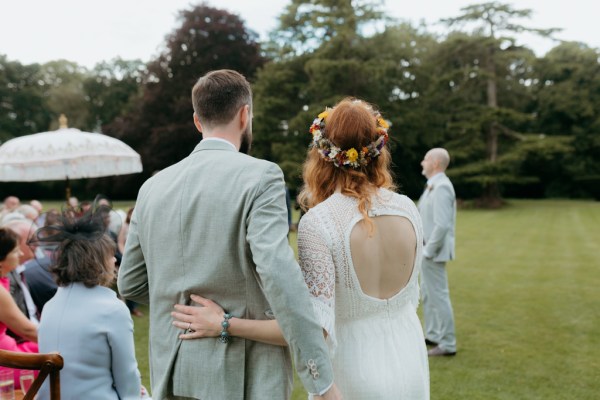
[360, 247]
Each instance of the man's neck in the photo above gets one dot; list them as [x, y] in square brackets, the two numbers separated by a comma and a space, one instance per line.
[434, 176]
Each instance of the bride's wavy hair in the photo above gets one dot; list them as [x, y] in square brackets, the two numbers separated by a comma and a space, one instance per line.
[351, 124]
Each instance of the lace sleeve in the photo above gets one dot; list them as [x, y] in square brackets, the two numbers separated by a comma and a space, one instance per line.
[319, 271]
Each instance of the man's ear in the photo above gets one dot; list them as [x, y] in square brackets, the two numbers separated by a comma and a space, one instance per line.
[197, 123]
[244, 116]
[435, 162]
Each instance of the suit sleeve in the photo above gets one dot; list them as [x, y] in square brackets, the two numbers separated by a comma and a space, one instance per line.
[126, 375]
[282, 282]
[133, 276]
[443, 209]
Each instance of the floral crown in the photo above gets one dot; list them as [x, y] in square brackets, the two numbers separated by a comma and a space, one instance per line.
[351, 157]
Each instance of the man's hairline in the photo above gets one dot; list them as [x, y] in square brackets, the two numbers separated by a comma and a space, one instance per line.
[212, 126]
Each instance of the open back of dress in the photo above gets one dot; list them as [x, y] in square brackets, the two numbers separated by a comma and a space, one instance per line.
[383, 255]
[365, 293]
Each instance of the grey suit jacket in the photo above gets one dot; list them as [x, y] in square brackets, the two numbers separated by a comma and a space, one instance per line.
[40, 281]
[437, 207]
[215, 224]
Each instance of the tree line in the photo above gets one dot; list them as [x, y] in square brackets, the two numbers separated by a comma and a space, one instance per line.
[516, 125]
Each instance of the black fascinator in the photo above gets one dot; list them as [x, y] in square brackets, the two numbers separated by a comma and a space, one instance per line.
[73, 225]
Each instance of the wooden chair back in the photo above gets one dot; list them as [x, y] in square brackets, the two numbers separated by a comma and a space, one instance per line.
[48, 364]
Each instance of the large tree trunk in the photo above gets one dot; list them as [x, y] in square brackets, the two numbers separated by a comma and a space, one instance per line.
[491, 191]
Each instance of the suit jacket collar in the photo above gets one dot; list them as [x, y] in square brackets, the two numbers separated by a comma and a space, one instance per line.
[213, 145]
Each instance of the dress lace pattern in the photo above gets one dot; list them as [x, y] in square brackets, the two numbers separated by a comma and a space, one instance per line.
[325, 258]
[370, 331]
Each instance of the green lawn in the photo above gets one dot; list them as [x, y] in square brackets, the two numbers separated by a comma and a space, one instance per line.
[527, 305]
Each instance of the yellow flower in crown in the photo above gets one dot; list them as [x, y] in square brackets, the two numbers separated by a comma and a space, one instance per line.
[352, 155]
[323, 115]
[382, 123]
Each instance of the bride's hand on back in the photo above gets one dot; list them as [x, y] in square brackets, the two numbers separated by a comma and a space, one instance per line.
[198, 322]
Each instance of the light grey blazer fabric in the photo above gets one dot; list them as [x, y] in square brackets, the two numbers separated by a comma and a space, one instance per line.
[93, 331]
[215, 224]
[437, 207]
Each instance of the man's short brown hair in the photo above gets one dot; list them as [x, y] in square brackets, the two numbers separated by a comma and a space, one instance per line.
[218, 96]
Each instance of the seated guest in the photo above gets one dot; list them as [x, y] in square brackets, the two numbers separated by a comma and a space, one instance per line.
[11, 216]
[40, 280]
[115, 217]
[85, 206]
[52, 217]
[10, 315]
[41, 219]
[11, 203]
[19, 290]
[73, 202]
[28, 212]
[85, 321]
[37, 205]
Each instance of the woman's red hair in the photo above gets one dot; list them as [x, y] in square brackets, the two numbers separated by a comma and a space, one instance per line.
[351, 124]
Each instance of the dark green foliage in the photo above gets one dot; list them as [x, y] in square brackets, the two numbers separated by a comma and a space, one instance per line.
[112, 88]
[159, 125]
[22, 107]
[305, 25]
[514, 124]
[64, 93]
[496, 65]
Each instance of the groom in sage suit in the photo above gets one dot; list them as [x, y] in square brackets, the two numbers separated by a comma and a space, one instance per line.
[437, 207]
[216, 224]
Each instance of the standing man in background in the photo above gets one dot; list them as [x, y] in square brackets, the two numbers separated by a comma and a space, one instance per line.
[437, 206]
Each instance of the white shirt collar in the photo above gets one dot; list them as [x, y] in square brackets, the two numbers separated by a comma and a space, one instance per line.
[434, 178]
[220, 140]
[31, 308]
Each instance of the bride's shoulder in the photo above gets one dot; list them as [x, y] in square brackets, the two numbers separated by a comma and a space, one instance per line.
[387, 196]
[326, 210]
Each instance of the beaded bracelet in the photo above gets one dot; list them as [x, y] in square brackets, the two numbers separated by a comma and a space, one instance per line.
[224, 338]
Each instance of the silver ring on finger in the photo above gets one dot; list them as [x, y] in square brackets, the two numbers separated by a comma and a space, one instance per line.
[189, 328]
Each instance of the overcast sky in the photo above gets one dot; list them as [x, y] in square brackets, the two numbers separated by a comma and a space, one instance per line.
[87, 31]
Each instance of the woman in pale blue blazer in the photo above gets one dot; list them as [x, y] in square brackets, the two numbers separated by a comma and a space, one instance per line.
[85, 321]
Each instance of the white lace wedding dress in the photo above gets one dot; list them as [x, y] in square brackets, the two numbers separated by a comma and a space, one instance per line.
[377, 345]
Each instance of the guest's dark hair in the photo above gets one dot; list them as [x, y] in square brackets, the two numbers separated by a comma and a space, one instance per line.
[219, 95]
[85, 261]
[8, 241]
